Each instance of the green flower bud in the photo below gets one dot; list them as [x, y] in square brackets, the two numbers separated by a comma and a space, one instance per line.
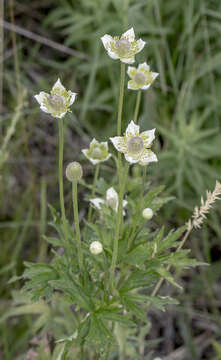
[147, 213]
[96, 248]
[74, 171]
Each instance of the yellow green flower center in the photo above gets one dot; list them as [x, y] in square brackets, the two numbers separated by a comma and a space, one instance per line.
[135, 145]
[140, 78]
[123, 46]
[56, 102]
[96, 153]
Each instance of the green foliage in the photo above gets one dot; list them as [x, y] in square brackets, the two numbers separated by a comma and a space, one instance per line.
[183, 40]
[142, 261]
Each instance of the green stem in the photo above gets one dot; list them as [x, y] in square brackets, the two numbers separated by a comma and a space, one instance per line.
[93, 191]
[121, 194]
[77, 227]
[121, 98]
[137, 106]
[60, 176]
[118, 225]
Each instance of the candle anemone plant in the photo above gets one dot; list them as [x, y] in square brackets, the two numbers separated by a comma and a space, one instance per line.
[113, 265]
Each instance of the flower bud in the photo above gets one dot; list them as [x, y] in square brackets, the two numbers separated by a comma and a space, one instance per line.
[74, 171]
[147, 213]
[96, 248]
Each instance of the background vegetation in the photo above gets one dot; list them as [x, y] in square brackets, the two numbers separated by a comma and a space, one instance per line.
[47, 39]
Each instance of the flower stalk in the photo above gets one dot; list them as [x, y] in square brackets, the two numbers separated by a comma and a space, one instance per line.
[121, 98]
[136, 112]
[118, 226]
[60, 176]
[77, 227]
[121, 194]
[97, 168]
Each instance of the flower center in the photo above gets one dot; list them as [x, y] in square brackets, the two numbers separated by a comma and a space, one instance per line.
[140, 78]
[56, 102]
[123, 46]
[96, 153]
[135, 145]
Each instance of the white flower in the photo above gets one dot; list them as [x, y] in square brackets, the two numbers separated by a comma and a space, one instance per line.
[136, 146]
[57, 102]
[141, 77]
[147, 213]
[124, 48]
[97, 152]
[96, 248]
[111, 200]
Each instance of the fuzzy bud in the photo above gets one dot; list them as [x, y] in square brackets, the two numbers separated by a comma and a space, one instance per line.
[96, 248]
[147, 213]
[74, 171]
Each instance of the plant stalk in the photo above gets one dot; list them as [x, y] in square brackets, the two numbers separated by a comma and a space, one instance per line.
[137, 107]
[118, 226]
[77, 227]
[60, 176]
[121, 194]
[93, 191]
[121, 98]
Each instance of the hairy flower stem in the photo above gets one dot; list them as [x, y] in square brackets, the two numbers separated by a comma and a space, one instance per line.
[118, 226]
[121, 98]
[160, 282]
[136, 112]
[93, 191]
[60, 176]
[119, 117]
[77, 227]
[121, 182]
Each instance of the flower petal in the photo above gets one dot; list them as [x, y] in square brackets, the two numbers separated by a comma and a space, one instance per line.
[154, 75]
[147, 157]
[119, 143]
[94, 142]
[132, 85]
[43, 108]
[128, 60]
[106, 40]
[140, 45]
[129, 35]
[111, 194]
[72, 97]
[130, 159]
[144, 66]
[97, 202]
[105, 143]
[112, 54]
[124, 203]
[112, 198]
[132, 130]
[93, 161]
[131, 71]
[148, 137]
[145, 87]
[59, 116]
[40, 97]
[58, 86]
[108, 157]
